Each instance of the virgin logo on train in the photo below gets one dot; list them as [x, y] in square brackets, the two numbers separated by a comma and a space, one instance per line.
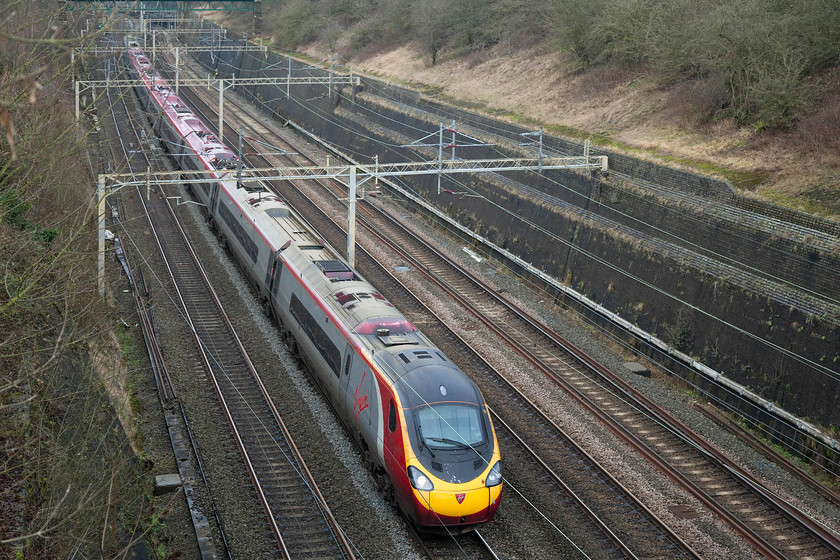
[360, 402]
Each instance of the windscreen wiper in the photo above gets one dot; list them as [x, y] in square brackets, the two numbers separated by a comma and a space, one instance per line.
[423, 441]
[451, 442]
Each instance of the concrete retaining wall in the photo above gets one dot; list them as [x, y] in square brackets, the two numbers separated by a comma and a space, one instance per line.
[376, 125]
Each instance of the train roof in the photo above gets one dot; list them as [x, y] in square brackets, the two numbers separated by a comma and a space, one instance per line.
[362, 308]
[190, 127]
[424, 375]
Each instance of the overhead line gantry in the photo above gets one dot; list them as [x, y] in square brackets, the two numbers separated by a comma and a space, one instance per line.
[221, 84]
[353, 175]
[167, 5]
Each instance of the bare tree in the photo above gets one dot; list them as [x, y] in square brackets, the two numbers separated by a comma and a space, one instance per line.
[69, 484]
[431, 25]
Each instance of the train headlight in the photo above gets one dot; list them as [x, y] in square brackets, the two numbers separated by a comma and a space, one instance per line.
[494, 477]
[419, 480]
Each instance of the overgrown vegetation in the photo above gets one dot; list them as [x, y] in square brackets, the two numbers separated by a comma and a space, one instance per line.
[69, 484]
[755, 61]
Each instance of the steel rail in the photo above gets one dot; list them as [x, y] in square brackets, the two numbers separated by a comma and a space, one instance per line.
[142, 303]
[486, 545]
[470, 545]
[655, 412]
[207, 360]
[742, 433]
[581, 504]
[587, 510]
[166, 390]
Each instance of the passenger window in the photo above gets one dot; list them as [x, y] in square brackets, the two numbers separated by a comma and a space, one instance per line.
[392, 418]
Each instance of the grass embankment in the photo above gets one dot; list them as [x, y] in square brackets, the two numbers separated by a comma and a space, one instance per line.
[718, 90]
[634, 115]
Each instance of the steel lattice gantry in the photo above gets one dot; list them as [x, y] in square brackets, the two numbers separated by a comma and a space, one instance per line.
[221, 85]
[167, 5]
[353, 174]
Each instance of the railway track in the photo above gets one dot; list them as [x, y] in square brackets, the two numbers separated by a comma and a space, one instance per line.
[776, 529]
[470, 545]
[630, 517]
[135, 159]
[298, 517]
[129, 151]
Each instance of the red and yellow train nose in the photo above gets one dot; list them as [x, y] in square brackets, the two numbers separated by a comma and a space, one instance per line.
[459, 505]
[467, 507]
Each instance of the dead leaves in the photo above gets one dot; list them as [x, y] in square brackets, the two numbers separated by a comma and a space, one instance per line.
[33, 86]
[9, 126]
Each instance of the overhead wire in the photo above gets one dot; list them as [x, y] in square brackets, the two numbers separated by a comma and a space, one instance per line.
[801, 359]
[329, 119]
[485, 124]
[763, 245]
[210, 352]
[798, 357]
[392, 145]
[758, 273]
[527, 501]
[700, 248]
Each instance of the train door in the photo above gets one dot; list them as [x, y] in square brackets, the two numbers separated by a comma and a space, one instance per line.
[214, 197]
[346, 367]
[272, 282]
[271, 272]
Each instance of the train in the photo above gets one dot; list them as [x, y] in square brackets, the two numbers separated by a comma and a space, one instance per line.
[421, 423]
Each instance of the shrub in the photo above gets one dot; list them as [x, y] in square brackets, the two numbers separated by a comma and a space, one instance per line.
[757, 56]
[292, 24]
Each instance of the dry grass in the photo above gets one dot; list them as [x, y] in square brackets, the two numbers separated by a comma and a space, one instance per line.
[629, 112]
[626, 110]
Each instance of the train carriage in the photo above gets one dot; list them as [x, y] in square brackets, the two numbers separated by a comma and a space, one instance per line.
[419, 420]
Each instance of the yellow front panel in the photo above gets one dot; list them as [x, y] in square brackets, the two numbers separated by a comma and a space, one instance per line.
[446, 503]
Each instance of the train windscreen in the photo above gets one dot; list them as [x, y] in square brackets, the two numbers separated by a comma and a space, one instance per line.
[450, 425]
